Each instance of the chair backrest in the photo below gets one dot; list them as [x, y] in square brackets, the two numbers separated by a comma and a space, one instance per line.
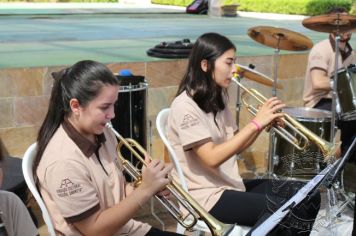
[27, 163]
[161, 123]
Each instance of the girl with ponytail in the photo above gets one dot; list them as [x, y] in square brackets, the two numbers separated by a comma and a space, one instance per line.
[78, 176]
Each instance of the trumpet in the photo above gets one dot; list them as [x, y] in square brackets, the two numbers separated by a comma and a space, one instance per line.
[195, 211]
[328, 149]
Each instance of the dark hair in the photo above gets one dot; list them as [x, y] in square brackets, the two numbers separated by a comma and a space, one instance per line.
[82, 81]
[334, 10]
[200, 85]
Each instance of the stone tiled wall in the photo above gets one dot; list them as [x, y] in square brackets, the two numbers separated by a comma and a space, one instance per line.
[24, 95]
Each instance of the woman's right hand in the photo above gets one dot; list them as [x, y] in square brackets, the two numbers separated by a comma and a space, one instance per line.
[268, 112]
[155, 176]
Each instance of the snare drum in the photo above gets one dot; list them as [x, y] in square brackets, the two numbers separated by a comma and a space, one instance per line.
[346, 96]
[289, 161]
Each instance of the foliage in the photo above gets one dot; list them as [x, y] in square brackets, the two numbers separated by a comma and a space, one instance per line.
[353, 8]
[113, 1]
[300, 7]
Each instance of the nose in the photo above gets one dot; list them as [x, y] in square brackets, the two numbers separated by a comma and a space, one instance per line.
[111, 113]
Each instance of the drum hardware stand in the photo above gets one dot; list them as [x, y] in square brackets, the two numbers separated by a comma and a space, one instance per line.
[152, 207]
[153, 211]
[271, 158]
[276, 59]
[335, 185]
[238, 110]
[330, 182]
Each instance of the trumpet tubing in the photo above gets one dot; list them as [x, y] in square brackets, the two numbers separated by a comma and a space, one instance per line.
[216, 227]
[328, 149]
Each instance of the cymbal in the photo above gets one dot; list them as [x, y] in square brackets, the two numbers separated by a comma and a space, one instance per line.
[256, 76]
[330, 23]
[280, 38]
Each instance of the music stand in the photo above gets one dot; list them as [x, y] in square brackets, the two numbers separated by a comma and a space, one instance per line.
[326, 177]
[272, 221]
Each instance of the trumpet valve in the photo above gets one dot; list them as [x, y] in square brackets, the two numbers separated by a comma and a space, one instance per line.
[137, 183]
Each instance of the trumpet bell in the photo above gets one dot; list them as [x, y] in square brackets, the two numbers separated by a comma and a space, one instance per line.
[328, 149]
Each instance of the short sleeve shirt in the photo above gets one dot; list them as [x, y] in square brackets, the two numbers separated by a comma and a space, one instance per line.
[189, 126]
[322, 57]
[15, 215]
[75, 183]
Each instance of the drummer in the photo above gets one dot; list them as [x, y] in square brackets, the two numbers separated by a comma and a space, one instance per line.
[318, 87]
[205, 138]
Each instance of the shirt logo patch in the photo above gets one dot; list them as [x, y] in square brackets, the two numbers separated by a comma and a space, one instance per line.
[68, 188]
[316, 57]
[188, 121]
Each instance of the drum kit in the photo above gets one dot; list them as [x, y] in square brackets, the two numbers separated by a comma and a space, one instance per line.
[284, 160]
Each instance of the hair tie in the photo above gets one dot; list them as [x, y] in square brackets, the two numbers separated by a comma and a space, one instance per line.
[58, 75]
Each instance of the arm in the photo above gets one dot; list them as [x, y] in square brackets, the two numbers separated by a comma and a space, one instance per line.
[320, 80]
[213, 155]
[109, 221]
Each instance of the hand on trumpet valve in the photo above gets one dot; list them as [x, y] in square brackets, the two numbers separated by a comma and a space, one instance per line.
[155, 176]
[166, 194]
[268, 112]
[277, 122]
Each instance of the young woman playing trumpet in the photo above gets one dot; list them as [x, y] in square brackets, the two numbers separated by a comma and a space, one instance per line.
[78, 176]
[206, 140]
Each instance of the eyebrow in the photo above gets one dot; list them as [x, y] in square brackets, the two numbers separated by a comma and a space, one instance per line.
[107, 103]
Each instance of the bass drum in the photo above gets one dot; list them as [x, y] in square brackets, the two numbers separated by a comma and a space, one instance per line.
[289, 161]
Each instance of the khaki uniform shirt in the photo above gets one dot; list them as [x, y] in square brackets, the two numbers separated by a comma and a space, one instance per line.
[322, 57]
[74, 183]
[189, 126]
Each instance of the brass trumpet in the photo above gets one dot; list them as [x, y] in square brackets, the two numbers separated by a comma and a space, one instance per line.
[328, 149]
[216, 227]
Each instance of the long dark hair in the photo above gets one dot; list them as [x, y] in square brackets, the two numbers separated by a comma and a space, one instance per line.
[82, 81]
[199, 84]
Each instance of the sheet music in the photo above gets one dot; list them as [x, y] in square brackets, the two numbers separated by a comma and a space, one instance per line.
[275, 218]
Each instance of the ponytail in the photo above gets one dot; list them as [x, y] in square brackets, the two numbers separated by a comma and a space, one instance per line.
[53, 119]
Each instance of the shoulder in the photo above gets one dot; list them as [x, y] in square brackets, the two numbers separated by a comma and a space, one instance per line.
[10, 199]
[61, 152]
[61, 146]
[323, 46]
[183, 103]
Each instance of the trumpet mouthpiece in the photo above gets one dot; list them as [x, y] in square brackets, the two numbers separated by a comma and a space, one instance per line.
[238, 68]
